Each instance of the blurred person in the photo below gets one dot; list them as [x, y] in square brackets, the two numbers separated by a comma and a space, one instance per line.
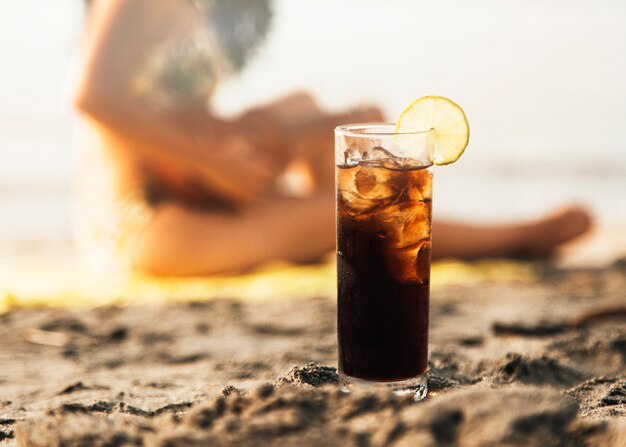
[167, 186]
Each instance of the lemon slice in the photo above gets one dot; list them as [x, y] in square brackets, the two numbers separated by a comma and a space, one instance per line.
[446, 122]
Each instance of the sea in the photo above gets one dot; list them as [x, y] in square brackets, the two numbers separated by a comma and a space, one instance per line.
[541, 81]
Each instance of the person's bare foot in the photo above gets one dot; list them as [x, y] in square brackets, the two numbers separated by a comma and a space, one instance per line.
[540, 239]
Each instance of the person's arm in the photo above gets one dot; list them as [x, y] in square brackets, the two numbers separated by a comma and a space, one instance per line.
[120, 35]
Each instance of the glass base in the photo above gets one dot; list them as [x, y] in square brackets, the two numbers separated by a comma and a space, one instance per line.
[416, 386]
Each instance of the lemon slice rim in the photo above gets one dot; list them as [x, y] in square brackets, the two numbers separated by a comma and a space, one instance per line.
[454, 105]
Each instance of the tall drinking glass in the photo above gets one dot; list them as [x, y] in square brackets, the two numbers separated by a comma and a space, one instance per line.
[384, 203]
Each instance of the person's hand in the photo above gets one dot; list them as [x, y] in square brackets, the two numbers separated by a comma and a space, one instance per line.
[294, 129]
[271, 126]
[314, 141]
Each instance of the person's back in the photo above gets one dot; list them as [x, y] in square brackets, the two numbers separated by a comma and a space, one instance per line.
[111, 174]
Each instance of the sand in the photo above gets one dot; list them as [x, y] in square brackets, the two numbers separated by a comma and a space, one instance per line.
[527, 363]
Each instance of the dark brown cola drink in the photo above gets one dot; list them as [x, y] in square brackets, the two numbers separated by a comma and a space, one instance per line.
[383, 266]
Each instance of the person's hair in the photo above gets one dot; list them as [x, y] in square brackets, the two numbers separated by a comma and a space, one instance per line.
[240, 26]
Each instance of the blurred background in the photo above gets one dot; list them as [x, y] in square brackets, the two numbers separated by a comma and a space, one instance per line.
[542, 83]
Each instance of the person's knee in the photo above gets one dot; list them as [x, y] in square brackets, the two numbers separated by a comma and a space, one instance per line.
[150, 257]
[180, 243]
[160, 248]
[170, 259]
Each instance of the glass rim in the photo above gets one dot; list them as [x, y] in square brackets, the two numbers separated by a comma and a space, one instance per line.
[360, 130]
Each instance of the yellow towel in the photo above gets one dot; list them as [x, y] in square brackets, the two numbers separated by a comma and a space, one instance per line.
[64, 285]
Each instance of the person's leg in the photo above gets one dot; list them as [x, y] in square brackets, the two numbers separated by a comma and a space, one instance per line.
[532, 240]
[184, 241]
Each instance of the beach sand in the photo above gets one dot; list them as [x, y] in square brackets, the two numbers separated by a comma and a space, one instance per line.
[514, 361]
